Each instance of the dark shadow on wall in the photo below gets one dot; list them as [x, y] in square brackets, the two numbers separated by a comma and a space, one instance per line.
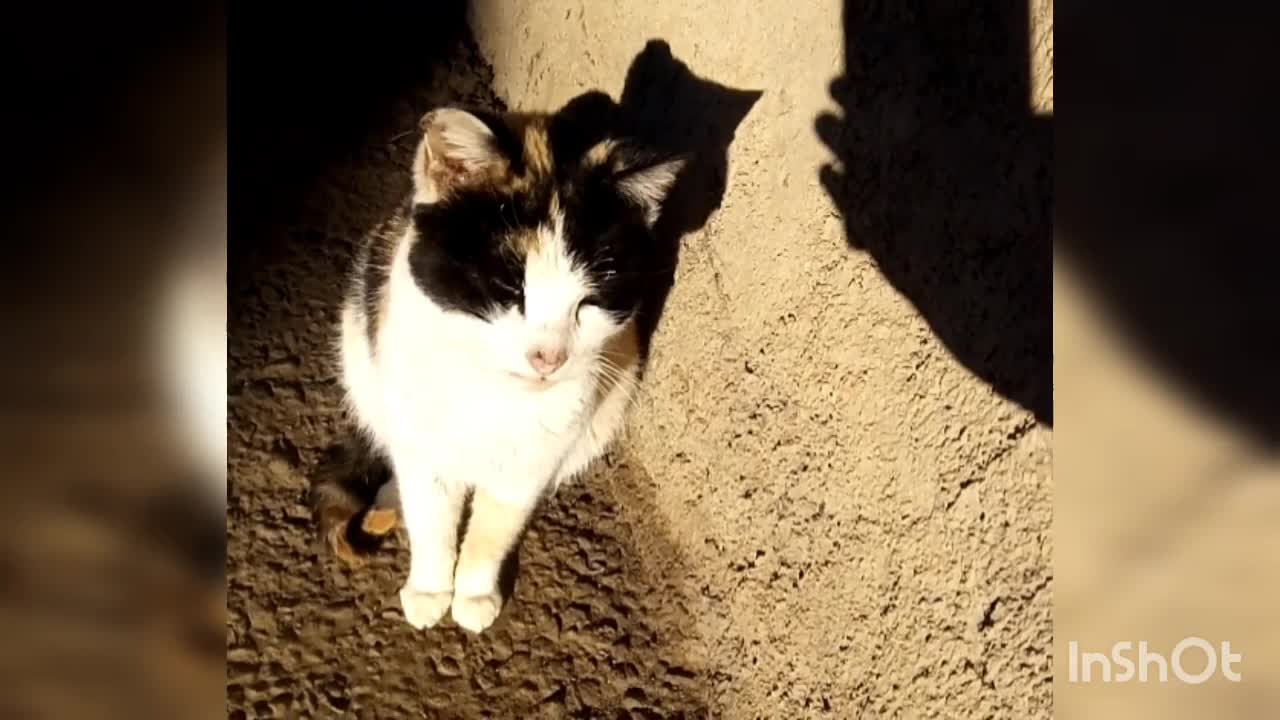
[944, 179]
[1166, 202]
[663, 103]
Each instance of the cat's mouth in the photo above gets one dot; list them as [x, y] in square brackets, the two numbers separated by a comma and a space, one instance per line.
[534, 382]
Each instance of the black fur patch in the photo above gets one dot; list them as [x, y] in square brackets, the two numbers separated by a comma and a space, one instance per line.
[463, 260]
[608, 235]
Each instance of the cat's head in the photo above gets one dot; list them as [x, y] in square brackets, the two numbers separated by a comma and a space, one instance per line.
[535, 236]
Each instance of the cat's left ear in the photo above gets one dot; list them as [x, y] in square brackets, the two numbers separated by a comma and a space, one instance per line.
[643, 176]
[458, 149]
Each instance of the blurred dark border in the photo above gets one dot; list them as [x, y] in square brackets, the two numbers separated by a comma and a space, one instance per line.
[1165, 162]
[112, 585]
[106, 111]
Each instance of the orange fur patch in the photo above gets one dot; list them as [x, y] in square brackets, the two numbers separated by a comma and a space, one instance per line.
[537, 149]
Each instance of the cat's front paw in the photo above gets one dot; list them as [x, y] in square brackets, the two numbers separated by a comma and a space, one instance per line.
[424, 609]
[475, 613]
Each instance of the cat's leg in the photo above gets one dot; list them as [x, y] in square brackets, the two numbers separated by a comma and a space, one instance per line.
[430, 510]
[493, 530]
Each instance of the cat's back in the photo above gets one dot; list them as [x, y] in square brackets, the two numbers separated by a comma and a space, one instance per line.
[363, 317]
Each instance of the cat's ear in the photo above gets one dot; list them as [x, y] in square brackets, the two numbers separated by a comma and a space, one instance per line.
[458, 149]
[641, 175]
[649, 185]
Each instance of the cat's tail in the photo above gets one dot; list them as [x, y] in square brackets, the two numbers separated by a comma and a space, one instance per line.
[354, 500]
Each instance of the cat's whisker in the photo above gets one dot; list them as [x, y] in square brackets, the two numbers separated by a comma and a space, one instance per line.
[621, 379]
[623, 372]
[502, 215]
[643, 273]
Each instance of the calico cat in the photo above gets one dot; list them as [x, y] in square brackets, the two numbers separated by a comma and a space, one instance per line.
[489, 345]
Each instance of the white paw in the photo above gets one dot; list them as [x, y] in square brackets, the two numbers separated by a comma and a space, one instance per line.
[475, 613]
[424, 609]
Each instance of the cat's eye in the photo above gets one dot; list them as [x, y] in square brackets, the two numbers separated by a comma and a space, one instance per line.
[588, 301]
[517, 292]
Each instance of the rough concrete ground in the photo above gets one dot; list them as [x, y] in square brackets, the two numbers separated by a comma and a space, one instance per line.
[834, 497]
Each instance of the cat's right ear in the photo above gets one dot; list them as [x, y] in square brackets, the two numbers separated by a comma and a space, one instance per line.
[457, 150]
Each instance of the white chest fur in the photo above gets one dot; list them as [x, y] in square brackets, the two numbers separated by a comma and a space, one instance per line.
[471, 423]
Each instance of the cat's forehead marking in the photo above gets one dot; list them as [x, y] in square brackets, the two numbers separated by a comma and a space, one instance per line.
[545, 236]
[528, 240]
[536, 166]
[537, 150]
[553, 204]
[599, 153]
[523, 242]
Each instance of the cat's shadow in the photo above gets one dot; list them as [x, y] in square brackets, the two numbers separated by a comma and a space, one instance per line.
[664, 104]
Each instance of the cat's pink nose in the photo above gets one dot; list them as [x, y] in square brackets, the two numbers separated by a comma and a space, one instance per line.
[547, 360]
